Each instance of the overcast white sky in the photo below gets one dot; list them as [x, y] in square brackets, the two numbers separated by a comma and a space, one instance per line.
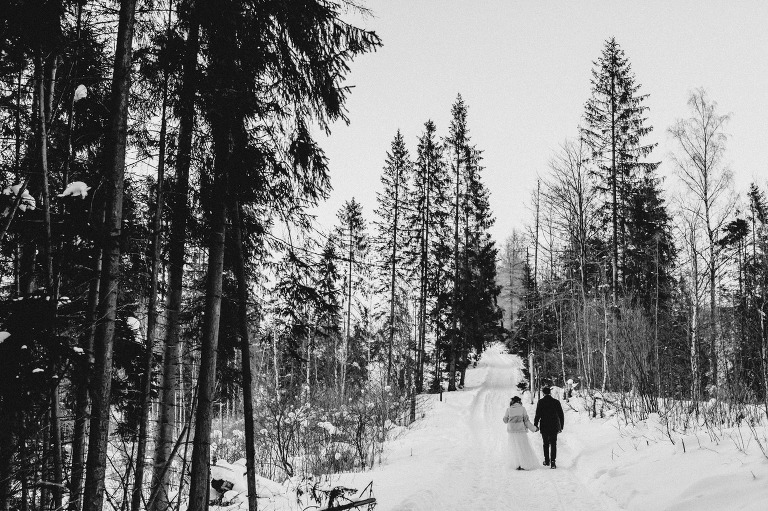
[524, 69]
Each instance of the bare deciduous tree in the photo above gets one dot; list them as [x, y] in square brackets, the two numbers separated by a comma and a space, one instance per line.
[572, 196]
[701, 166]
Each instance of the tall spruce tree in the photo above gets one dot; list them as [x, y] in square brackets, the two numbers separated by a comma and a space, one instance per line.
[353, 248]
[391, 241]
[115, 148]
[458, 149]
[179, 205]
[480, 315]
[614, 127]
[428, 207]
[329, 309]
[481, 310]
[650, 248]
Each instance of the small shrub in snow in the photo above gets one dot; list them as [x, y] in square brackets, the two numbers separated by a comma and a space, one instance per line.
[75, 189]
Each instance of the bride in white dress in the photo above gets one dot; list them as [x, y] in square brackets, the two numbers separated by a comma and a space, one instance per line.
[521, 455]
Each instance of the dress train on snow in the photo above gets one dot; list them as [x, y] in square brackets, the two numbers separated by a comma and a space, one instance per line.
[520, 452]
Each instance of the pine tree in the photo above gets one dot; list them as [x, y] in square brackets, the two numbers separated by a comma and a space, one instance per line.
[115, 147]
[294, 300]
[178, 242]
[353, 246]
[457, 145]
[650, 248]
[392, 238]
[327, 281]
[152, 302]
[614, 128]
[480, 314]
[428, 203]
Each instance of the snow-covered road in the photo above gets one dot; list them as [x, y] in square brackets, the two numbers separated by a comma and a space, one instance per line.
[455, 459]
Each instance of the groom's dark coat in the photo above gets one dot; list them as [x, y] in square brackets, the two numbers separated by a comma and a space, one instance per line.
[549, 415]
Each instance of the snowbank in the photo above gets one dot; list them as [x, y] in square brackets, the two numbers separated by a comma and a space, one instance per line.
[640, 468]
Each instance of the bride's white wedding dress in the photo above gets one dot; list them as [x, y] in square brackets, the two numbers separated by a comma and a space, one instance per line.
[520, 452]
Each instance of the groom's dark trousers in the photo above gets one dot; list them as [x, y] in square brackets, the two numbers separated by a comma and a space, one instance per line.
[550, 444]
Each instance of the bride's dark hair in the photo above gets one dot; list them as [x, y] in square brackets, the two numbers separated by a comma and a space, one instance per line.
[515, 399]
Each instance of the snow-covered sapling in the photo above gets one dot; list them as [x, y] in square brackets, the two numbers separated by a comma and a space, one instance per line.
[74, 189]
[14, 190]
[134, 324]
[80, 92]
[27, 201]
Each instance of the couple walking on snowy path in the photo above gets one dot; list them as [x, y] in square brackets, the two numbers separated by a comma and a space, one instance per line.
[549, 420]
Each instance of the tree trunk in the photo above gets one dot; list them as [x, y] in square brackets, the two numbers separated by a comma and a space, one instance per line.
[84, 368]
[422, 326]
[464, 353]
[42, 141]
[423, 289]
[58, 466]
[44, 466]
[393, 278]
[107, 311]
[24, 479]
[152, 312]
[201, 451]
[695, 386]
[245, 351]
[657, 361]
[178, 238]
[8, 442]
[81, 368]
[43, 118]
[71, 104]
[713, 317]
[349, 315]
[17, 125]
[531, 340]
[452, 344]
[764, 354]
[222, 125]
[606, 336]
[437, 383]
[614, 198]
[10, 211]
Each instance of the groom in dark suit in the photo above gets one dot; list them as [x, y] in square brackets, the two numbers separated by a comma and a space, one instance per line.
[550, 420]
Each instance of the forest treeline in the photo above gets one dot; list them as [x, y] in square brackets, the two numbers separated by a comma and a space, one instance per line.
[626, 283]
[168, 300]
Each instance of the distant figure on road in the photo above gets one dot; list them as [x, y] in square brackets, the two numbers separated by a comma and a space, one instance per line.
[550, 420]
[521, 453]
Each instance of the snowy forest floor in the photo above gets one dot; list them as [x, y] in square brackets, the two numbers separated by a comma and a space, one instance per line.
[454, 458]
